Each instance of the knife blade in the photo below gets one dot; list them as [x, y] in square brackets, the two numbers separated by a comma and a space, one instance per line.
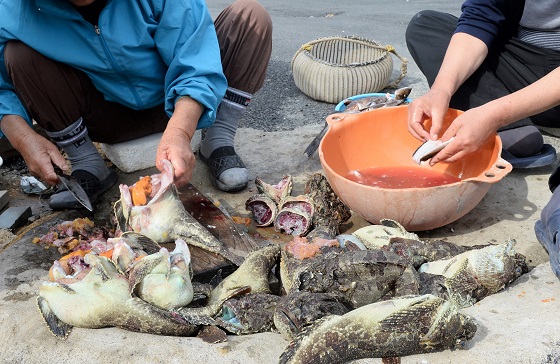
[312, 147]
[72, 184]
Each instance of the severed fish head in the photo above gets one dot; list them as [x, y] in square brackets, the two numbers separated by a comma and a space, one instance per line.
[248, 314]
[163, 279]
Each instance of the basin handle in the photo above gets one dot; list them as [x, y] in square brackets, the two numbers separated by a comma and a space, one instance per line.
[335, 118]
[495, 173]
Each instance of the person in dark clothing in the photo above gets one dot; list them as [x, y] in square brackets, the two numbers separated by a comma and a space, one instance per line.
[108, 71]
[499, 62]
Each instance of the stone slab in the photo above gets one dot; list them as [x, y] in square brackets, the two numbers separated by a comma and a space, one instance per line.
[4, 199]
[138, 154]
[14, 217]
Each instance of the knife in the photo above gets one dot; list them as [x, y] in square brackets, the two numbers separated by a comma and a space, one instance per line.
[312, 147]
[72, 184]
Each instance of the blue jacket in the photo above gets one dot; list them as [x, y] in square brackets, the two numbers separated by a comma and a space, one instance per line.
[490, 20]
[143, 53]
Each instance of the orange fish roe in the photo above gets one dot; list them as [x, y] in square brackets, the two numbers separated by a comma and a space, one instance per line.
[301, 248]
[141, 190]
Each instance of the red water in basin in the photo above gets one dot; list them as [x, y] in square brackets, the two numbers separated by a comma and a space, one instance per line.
[400, 177]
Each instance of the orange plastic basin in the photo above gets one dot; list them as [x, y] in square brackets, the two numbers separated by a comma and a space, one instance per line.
[380, 138]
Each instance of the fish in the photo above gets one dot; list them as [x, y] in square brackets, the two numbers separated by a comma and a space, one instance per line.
[102, 299]
[377, 236]
[164, 218]
[362, 276]
[250, 313]
[419, 252]
[376, 102]
[164, 278]
[250, 277]
[398, 327]
[329, 211]
[298, 310]
[477, 273]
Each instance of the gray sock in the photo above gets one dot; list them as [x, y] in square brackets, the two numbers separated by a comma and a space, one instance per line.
[222, 133]
[80, 150]
[230, 111]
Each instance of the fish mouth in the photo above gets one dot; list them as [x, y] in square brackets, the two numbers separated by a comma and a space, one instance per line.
[229, 316]
[290, 321]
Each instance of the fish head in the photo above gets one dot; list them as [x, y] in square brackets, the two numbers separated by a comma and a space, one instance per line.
[163, 279]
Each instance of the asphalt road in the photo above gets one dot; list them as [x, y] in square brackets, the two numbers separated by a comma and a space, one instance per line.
[280, 105]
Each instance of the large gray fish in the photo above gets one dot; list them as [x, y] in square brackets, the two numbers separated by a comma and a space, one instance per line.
[394, 328]
[164, 218]
[477, 273]
[102, 299]
[362, 276]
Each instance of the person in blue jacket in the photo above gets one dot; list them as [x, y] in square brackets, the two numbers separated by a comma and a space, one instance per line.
[499, 62]
[111, 71]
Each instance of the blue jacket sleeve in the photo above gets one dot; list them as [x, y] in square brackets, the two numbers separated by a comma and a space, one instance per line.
[186, 39]
[489, 20]
[9, 102]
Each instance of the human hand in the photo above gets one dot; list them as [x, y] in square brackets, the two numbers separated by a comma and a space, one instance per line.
[471, 130]
[175, 146]
[40, 155]
[434, 105]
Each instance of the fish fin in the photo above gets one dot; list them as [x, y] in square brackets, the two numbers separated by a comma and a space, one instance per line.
[216, 279]
[57, 327]
[119, 216]
[293, 347]
[217, 249]
[139, 270]
[400, 321]
[461, 285]
[66, 288]
[212, 334]
[199, 316]
[140, 241]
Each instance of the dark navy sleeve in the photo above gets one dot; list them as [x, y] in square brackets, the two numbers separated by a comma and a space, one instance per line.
[489, 20]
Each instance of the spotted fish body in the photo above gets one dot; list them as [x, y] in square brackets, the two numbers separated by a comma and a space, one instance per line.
[164, 218]
[475, 274]
[102, 299]
[398, 327]
[298, 310]
[363, 276]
